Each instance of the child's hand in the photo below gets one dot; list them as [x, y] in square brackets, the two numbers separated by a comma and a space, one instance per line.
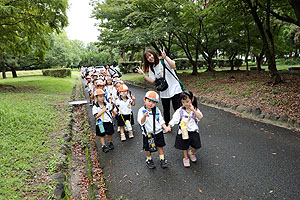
[146, 114]
[191, 107]
[104, 109]
[133, 97]
[167, 128]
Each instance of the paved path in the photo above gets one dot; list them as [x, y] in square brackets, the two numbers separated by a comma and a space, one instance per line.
[239, 159]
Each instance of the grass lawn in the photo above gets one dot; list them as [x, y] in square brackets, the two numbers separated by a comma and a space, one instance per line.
[31, 118]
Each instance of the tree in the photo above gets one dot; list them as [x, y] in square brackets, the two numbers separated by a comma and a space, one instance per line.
[26, 24]
[267, 37]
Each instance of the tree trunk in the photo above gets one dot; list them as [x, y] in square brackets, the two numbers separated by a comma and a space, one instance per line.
[13, 72]
[271, 50]
[132, 55]
[123, 54]
[3, 67]
[195, 68]
[156, 48]
[210, 64]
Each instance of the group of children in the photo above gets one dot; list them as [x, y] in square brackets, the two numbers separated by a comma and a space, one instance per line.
[111, 98]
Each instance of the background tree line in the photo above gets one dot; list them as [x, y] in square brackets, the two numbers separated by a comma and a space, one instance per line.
[203, 29]
[32, 36]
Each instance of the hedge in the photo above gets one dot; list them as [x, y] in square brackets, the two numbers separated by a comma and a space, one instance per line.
[128, 66]
[61, 73]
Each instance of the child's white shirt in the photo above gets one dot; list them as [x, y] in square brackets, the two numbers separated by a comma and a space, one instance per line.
[148, 124]
[105, 117]
[109, 89]
[124, 106]
[90, 86]
[114, 95]
[192, 124]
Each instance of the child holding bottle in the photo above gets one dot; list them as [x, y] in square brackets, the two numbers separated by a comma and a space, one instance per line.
[152, 124]
[187, 116]
[103, 113]
[125, 116]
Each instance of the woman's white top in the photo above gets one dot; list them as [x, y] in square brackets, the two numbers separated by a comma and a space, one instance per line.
[192, 123]
[174, 86]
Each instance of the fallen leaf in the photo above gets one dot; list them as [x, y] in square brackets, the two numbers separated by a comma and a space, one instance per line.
[200, 191]
[164, 181]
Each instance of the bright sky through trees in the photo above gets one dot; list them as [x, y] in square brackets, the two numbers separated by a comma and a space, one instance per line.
[81, 26]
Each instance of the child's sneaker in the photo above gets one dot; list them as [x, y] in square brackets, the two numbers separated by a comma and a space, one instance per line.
[186, 162]
[123, 137]
[118, 129]
[130, 134]
[111, 146]
[163, 164]
[105, 149]
[150, 164]
[192, 157]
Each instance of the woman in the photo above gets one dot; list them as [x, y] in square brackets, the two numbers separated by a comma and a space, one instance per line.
[153, 64]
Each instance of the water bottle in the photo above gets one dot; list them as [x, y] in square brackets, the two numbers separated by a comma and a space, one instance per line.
[184, 131]
[100, 125]
[128, 126]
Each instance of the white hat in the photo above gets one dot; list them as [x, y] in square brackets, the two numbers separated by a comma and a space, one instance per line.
[152, 95]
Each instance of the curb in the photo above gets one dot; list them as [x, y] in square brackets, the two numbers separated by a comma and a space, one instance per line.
[243, 111]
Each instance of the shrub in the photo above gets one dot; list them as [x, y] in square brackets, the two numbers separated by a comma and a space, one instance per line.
[128, 66]
[288, 61]
[182, 63]
[61, 73]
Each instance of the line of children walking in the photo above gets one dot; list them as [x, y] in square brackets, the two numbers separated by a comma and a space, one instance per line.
[110, 98]
[117, 101]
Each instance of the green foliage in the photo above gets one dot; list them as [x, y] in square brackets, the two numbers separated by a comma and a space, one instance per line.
[26, 24]
[128, 66]
[288, 61]
[61, 73]
[28, 119]
[182, 63]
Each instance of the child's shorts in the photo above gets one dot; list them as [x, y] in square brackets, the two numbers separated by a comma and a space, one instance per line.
[193, 141]
[108, 127]
[126, 117]
[159, 141]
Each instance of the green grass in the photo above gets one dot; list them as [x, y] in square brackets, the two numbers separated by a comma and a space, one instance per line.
[28, 118]
[133, 77]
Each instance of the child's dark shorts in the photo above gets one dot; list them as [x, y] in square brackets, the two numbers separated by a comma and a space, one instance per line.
[159, 141]
[193, 141]
[108, 127]
[126, 117]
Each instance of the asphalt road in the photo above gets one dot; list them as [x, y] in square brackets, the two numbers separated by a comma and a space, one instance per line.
[239, 159]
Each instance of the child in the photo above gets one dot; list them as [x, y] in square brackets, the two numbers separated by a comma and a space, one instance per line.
[125, 116]
[109, 86]
[153, 137]
[104, 123]
[89, 85]
[188, 116]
